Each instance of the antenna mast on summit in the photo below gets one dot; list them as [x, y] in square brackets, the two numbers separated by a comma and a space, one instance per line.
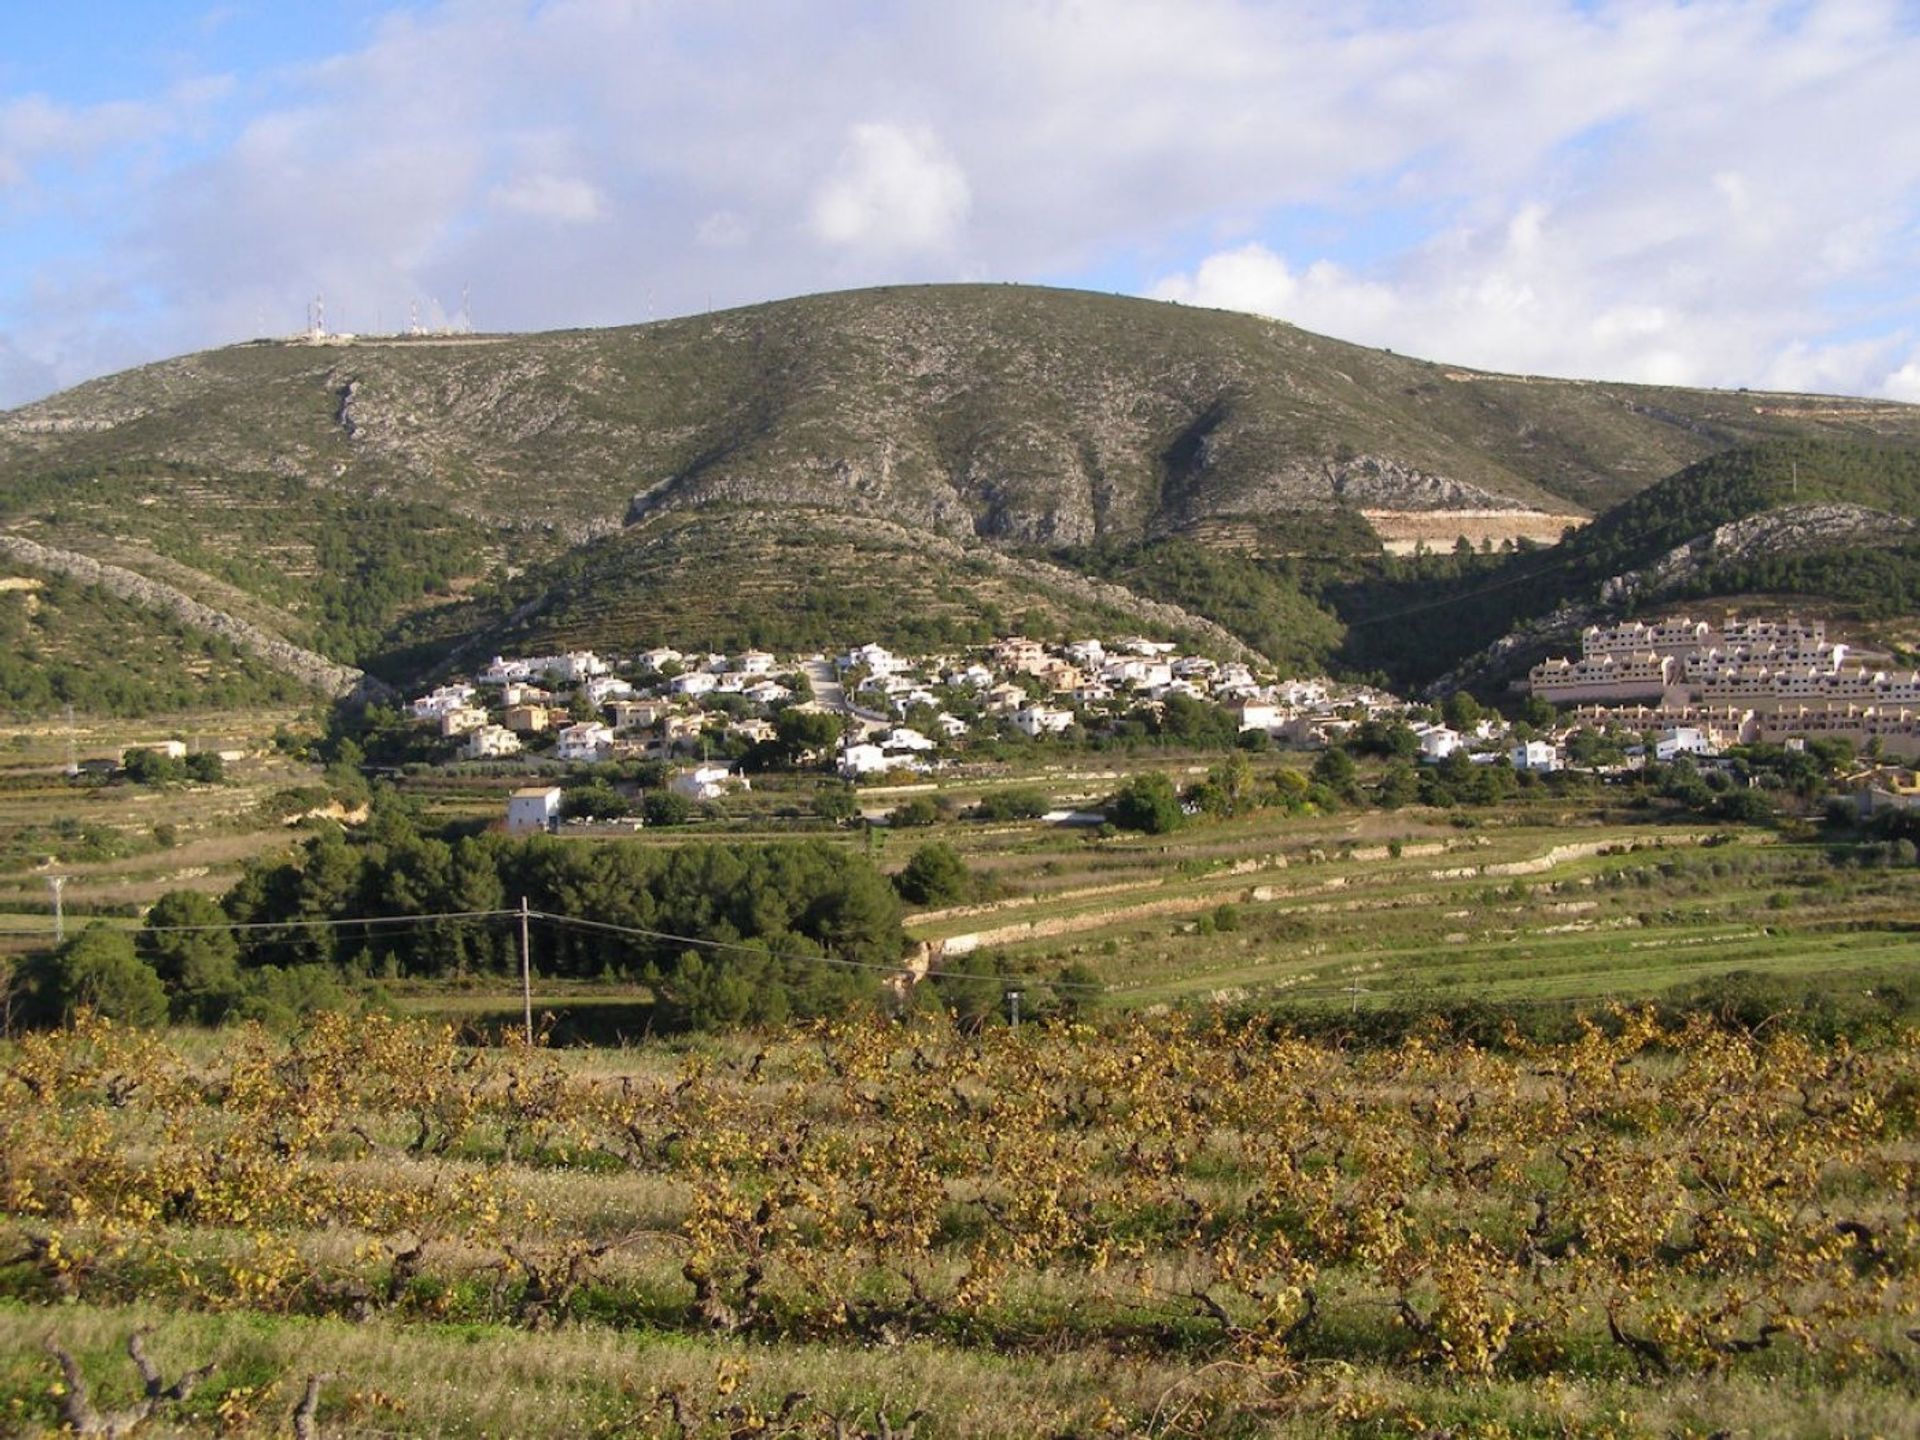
[466, 308]
[317, 317]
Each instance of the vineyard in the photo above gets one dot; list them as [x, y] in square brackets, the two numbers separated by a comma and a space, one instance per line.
[1157, 1227]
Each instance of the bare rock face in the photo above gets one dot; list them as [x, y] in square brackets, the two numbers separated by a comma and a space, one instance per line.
[1788, 530]
[1378, 482]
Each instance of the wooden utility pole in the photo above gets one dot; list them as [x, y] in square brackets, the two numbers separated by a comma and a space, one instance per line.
[526, 970]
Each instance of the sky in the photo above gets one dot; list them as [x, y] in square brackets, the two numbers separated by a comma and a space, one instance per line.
[1699, 192]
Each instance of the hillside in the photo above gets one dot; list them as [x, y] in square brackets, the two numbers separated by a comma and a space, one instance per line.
[1014, 413]
[795, 581]
[379, 499]
[1833, 526]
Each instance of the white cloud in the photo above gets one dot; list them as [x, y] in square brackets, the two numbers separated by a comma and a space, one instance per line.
[1904, 383]
[565, 199]
[891, 189]
[1652, 189]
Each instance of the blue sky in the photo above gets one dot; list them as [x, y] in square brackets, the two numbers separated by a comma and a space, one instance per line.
[1710, 192]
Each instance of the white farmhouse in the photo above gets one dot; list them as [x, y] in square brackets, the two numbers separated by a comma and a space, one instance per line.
[532, 809]
[706, 782]
[858, 760]
[1539, 756]
[1437, 742]
[1678, 740]
[1038, 720]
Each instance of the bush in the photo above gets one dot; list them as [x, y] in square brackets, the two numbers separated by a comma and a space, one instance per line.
[1146, 803]
[1013, 805]
[919, 811]
[663, 807]
[98, 969]
[935, 875]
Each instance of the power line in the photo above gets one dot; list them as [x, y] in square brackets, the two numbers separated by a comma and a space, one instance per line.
[581, 922]
[750, 949]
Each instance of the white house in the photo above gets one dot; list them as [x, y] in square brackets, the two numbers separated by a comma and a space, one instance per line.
[913, 695]
[877, 658]
[575, 666]
[448, 697]
[532, 809]
[695, 682]
[602, 688]
[767, 692]
[660, 657]
[952, 726]
[490, 742]
[587, 741]
[1254, 714]
[706, 782]
[1537, 755]
[1682, 740]
[903, 737]
[753, 662]
[1037, 720]
[858, 760]
[501, 671]
[1437, 742]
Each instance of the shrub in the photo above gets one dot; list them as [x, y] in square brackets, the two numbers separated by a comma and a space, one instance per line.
[935, 875]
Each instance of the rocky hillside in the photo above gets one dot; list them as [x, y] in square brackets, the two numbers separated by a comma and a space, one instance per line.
[1022, 415]
[818, 466]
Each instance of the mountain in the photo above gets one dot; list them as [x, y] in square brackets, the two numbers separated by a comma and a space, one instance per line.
[382, 499]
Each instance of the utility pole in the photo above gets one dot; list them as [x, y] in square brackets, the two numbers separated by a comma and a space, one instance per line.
[57, 883]
[1356, 990]
[1013, 1008]
[526, 970]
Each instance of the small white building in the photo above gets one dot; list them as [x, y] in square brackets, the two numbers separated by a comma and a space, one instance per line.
[707, 782]
[602, 688]
[533, 809]
[1038, 720]
[501, 671]
[1678, 740]
[575, 666]
[876, 658]
[438, 702]
[904, 737]
[660, 657]
[695, 682]
[1539, 756]
[858, 760]
[753, 662]
[1437, 742]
